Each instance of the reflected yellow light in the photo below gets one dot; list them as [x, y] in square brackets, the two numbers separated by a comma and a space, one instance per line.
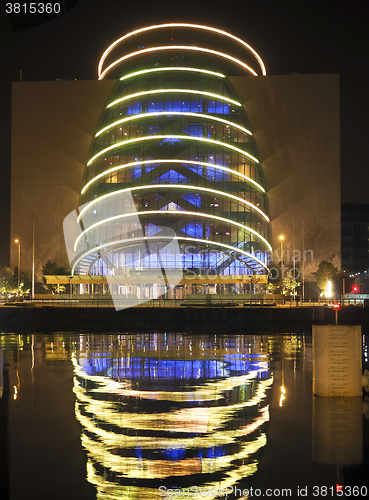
[282, 397]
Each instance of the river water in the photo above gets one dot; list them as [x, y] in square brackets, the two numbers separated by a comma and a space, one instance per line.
[173, 415]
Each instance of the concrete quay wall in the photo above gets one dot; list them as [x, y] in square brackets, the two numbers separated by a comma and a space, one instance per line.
[185, 319]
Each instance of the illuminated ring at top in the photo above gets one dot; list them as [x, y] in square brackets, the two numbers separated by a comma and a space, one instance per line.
[178, 25]
[171, 68]
[178, 238]
[190, 162]
[173, 91]
[179, 47]
[176, 212]
[162, 137]
[172, 113]
[172, 186]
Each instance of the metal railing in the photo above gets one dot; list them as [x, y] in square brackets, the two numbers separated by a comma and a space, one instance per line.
[204, 301]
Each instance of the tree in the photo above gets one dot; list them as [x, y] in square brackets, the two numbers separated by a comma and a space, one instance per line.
[291, 279]
[9, 281]
[327, 272]
[51, 268]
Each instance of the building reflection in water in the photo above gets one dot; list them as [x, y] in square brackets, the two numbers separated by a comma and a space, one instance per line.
[170, 410]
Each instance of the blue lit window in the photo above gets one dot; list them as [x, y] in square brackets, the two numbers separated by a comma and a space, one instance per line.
[195, 229]
[151, 229]
[193, 130]
[194, 199]
[172, 176]
[172, 206]
[219, 108]
[134, 109]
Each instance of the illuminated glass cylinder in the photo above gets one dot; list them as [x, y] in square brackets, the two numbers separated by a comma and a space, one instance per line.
[174, 149]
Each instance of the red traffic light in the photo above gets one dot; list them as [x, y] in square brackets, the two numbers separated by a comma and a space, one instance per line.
[354, 288]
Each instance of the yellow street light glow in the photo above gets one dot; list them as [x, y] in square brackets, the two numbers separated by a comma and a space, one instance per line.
[172, 113]
[178, 25]
[172, 68]
[190, 162]
[162, 137]
[173, 91]
[178, 47]
[177, 212]
[161, 238]
[281, 237]
[172, 186]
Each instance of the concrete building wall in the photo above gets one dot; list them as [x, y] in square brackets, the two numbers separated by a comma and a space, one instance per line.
[296, 123]
[295, 119]
[52, 128]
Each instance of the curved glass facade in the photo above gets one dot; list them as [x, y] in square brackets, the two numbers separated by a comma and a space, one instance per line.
[174, 149]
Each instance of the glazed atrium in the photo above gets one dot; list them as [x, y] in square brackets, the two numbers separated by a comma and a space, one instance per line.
[173, 178]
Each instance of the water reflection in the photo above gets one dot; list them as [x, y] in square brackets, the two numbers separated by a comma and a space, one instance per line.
[166, 410]
[120, 416]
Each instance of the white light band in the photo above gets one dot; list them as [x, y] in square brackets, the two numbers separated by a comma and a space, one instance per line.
[173, 91]
[172, 186]
[161, 238]
[177, 48]
[172, 68]
[172, 113]
[176, 212]
[190, 162]
[179, 25]
[162, 137]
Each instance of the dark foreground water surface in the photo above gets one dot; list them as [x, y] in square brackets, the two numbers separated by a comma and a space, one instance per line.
[171, 415]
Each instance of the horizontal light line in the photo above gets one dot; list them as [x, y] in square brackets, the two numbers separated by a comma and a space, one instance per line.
[171, 186]
[172, 68]
[178, 238]
[172, 113]
[161, 137]
[178, 47]
[179, 25]
[173, 91]
[190, 162]
[176, 212]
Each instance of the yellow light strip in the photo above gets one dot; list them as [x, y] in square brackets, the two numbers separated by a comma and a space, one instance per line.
[162, 137]
[178, 47]
[177, 212]
[161, 238]
[190, 162]
[172, 68]
[172, 113]
[170, 186]
[174, 91]
[179, 25]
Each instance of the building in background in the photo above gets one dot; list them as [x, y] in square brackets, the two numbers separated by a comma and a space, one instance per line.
[355, 244]
[199, 140]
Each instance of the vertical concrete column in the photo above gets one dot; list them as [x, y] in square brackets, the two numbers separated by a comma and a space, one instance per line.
[337, 360]
[337, 415]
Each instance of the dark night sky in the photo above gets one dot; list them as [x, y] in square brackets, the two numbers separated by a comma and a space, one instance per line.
[320, 36]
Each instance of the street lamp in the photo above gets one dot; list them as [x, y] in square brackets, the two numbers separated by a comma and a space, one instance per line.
[281, 238]
[19, 260]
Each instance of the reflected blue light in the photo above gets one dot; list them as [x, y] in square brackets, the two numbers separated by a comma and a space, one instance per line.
[164, 369]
